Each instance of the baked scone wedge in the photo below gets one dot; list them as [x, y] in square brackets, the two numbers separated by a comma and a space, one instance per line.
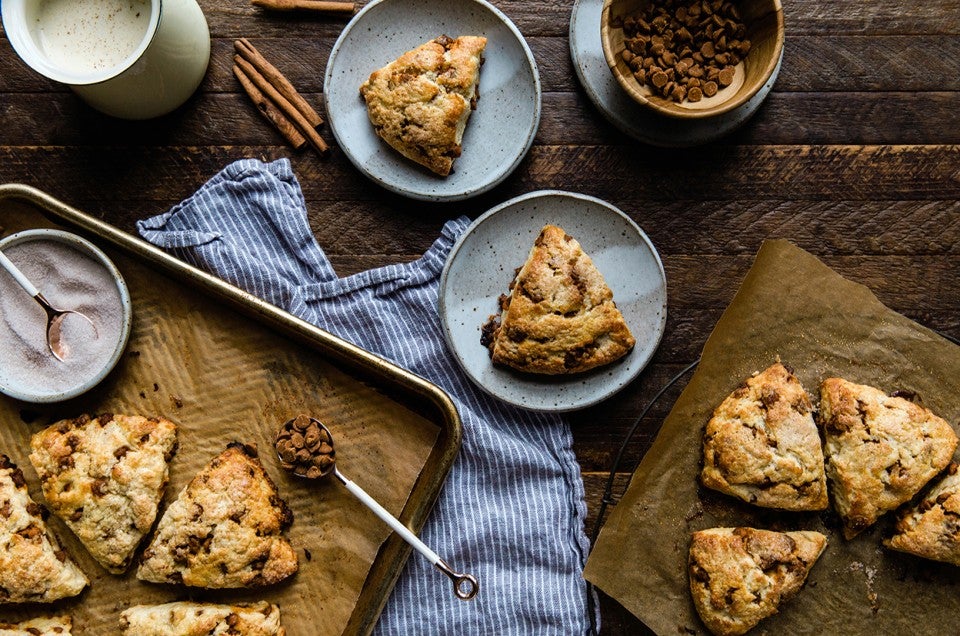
[420, 103]
[740, 576]
[44, 626]
[880, 450]
[931, 529]
[105, 476]
[762, 445]
[184, 618]
[225, 529]
[559, 317]
[33, 566]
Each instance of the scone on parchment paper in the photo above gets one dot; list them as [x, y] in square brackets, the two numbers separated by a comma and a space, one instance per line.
[105, 477]
[559, 317]
[420, 102]
[225, 529]
[44, 626]
[740, 576]
[880, 450]
[762, 445]
[931, 528]
[184, 618]
[33, 566]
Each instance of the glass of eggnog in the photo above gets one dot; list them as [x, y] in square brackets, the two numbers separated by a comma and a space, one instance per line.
[134, 59]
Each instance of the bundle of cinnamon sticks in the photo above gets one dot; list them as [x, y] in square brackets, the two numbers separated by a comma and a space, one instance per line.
[276, 98]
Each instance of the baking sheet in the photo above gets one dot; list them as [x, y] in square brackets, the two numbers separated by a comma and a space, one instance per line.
[793, 306]
[222, 376]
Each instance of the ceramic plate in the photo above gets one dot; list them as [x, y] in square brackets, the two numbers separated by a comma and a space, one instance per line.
[499, 132]
[482, 264]
[627, 115]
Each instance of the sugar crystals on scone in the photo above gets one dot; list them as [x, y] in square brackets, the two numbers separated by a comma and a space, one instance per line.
[187, 618]
[762, 444]
[931, 528]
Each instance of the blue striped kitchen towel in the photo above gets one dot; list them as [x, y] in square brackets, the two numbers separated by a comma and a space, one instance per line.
[516, 477]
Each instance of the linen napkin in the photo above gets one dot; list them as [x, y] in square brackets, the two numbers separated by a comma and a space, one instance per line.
[512, 509]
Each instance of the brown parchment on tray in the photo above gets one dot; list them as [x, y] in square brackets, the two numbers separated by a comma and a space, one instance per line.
[223, 377]
[790, 305]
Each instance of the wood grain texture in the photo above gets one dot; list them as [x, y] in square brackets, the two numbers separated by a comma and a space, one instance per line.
[854, 156]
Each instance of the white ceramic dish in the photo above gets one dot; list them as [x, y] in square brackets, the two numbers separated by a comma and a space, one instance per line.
[482, 264]
[586, 52]
[86, 376]
[500, 131]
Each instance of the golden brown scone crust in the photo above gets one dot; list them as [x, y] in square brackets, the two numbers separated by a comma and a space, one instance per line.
[762, 445]
[44, 626]
[420, 102]
[739, 576]
[880, 450]
[105, 477]
[560, 316]
[931, 529]
[184, 618]
[224, 530]
[33, 566]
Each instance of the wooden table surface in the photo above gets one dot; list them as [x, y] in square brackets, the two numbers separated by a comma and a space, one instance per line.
[854, 156]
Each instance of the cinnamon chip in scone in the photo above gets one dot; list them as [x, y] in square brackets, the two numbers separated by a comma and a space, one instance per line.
[762, 445]
[880, 450]
[186, 618]
[740, 576]
[559, 317]
[931, 529]
[225, 529]
[420, 102]
[33, 566]
[105, 477]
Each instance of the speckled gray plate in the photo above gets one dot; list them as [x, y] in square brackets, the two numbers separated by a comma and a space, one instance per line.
[630, 117]
[499, 132]
[482, 264]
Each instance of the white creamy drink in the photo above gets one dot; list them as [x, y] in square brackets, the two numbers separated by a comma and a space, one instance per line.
[84, 36]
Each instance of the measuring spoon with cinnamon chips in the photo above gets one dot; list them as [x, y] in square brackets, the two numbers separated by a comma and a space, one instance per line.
[305, 447]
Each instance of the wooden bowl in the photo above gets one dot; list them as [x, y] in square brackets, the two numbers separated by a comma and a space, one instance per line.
[764, 28]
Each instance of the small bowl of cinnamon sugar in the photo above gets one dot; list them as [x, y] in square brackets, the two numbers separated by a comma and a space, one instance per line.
[692, 59]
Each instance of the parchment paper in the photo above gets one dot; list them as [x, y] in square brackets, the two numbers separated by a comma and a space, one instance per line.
[790, 305]
[222, 377]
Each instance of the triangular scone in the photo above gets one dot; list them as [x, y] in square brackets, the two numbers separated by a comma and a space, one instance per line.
[105, 476]
[52, 626]
[740, 576]
[224, 530]
[560, 316]
[33, 566]
[762, 445]
[184, 618]
[931, 529]
[880, 450]
[420, 102]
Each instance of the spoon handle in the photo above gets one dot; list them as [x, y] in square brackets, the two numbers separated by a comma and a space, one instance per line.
[18, 275]
[465, 586]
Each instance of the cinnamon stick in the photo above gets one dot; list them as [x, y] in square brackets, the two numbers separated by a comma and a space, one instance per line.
[276, 78]
[268, 110]
[320, 6]
[281, 102]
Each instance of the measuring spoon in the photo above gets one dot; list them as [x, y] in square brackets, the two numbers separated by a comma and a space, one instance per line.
[322, 462]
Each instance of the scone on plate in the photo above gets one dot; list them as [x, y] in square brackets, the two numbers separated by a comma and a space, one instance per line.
[740, 576]
[420, 102]
[762, 445]
[33, 566]
[185, 618]
[44, 626]
[931, 529]
[105, 477]
[559, 317]
[880, 450]
[225, 529]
